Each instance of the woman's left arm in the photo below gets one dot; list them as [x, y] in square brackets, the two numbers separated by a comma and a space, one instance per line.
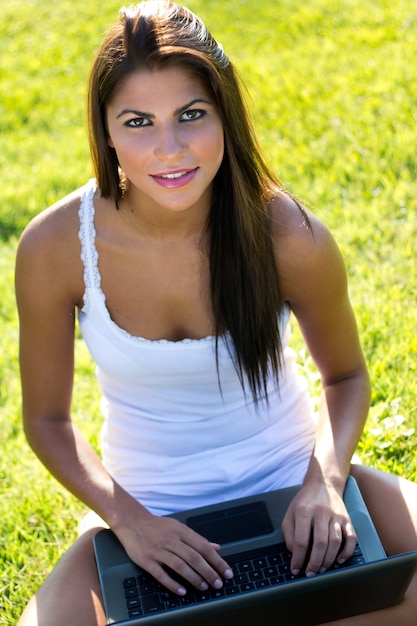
[314, 283]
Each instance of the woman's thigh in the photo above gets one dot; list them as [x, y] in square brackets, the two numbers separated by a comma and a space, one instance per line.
[71, 593]
[392, 503]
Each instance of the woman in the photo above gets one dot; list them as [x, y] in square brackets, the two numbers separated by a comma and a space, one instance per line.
[184, 258]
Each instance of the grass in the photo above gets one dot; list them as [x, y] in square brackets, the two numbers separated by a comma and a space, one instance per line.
[331, 89]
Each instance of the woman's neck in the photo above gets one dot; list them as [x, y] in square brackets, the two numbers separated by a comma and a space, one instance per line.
[157, 222]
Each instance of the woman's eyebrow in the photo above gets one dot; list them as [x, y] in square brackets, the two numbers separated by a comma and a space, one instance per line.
[152, 116]
[190, 104]
[134, 112]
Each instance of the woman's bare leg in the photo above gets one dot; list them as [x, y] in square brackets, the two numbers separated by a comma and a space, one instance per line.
[71, 594]
[392, 502]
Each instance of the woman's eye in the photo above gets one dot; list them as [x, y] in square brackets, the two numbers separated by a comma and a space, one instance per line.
[192, 114]
[138, 122]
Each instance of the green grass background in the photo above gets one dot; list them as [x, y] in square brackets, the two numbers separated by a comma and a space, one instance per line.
[332, 89]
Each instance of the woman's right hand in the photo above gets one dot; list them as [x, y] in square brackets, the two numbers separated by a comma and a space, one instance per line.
[157, 543]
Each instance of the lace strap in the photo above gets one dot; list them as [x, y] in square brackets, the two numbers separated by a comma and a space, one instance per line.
[87, 236]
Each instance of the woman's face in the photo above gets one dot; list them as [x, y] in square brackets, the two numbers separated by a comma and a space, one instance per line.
[168, 137]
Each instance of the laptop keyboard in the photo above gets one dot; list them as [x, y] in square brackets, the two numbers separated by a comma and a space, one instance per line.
[255, 569]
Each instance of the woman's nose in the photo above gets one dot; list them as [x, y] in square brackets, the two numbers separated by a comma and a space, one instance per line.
[170, 144]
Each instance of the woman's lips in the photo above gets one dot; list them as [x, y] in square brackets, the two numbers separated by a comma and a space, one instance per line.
[175, 179]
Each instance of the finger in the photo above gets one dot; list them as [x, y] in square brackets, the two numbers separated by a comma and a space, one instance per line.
[162, 576]
[209, 564]
[204, 557]
[196, 570]
[350, 541]
[178, 576]
[288, 526]
[300, 544]
[335, 538]
[319, 548]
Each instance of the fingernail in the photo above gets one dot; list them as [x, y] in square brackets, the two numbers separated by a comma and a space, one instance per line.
[322, 569]
[181, 591]
[203, 586]
[228, 573]
[218, 584]
[295, 572]
[341, 561]
[310, 574]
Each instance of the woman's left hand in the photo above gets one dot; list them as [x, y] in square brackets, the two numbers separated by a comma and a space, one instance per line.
[317, 529]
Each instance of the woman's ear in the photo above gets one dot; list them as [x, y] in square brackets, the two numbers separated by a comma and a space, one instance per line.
[110, 142]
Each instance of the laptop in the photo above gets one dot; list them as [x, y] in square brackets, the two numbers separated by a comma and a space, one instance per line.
[263, 590]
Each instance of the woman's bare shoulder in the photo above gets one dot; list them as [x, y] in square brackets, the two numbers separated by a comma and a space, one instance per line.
[54, 223]
[305, 250]
[295, 229]
[48, 253]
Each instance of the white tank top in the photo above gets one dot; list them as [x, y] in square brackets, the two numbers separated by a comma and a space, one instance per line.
[172, 437]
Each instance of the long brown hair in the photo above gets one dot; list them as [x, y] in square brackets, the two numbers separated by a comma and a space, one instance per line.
[245, 292]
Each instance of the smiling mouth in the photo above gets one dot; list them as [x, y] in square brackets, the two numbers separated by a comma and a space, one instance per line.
[172, 180]
[173, 175]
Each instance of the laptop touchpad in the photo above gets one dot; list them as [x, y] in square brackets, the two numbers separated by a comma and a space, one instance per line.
[233, 523]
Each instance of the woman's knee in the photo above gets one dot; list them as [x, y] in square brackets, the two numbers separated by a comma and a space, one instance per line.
[71, 594]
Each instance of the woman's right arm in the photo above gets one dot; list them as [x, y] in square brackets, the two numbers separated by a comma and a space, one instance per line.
[49, 286]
